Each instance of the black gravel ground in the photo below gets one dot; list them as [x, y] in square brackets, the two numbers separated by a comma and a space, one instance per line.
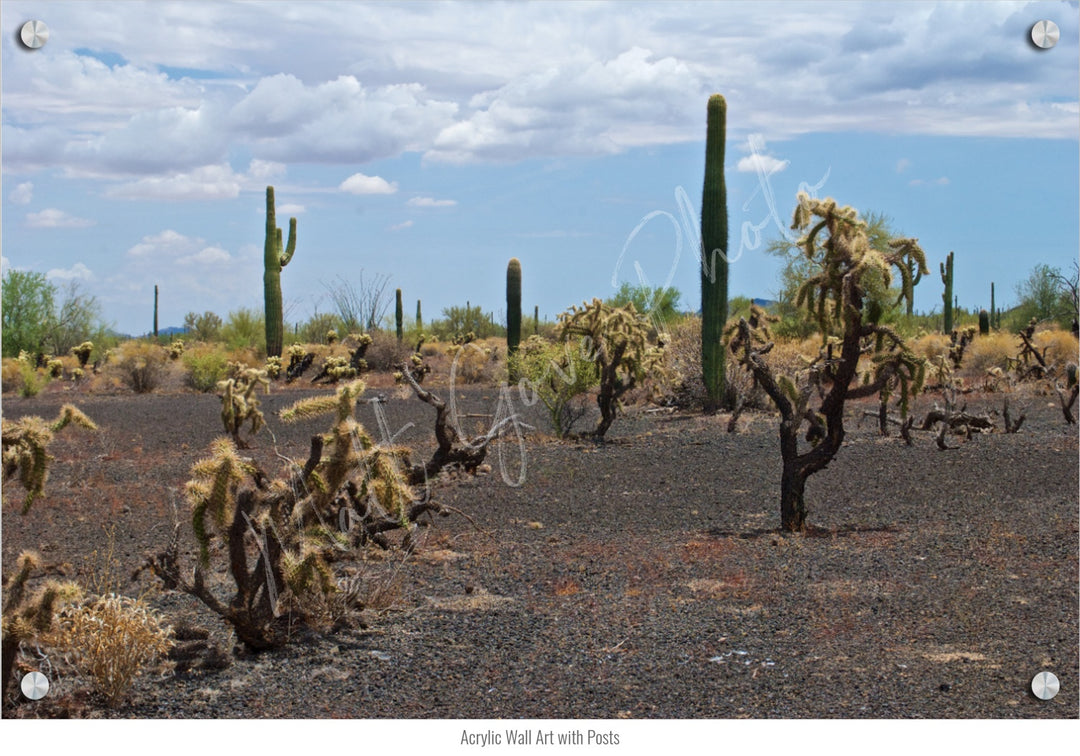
[641, 578]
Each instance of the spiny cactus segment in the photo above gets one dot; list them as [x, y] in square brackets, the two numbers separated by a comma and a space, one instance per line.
[25, 443]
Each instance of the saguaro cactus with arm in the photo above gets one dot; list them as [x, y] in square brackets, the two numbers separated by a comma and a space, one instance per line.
[714, 264]
[274, 259]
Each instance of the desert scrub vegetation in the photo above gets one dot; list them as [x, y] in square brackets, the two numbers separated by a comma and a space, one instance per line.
[560, 375]
[282, 538]
[25, 448]
[29, 618]
[22, 376]
[618, 342]
[206, 366]
[142, 366]
[112, 639]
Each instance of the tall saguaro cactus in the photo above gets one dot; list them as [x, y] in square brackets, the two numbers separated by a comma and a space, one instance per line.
[947, 295]
[399, 316]
[419, 318]
[155, 312]
[714, 263]
[274, 259]
[993, 308]
[513, 305]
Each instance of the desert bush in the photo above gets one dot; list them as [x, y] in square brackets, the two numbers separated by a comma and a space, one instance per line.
[686, 386]
[930, 346]
[1061, 347]
[140, 365]
[112, 639]
[22, 376]
[206, 365]
[205, 327]
[11, 376]
[991, 351]
[385, 352]
[315, 329]
[245, 328]
[560, 375]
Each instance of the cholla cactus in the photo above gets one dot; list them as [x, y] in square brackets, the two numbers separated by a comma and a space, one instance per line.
[25, 442]
[331, 337]
[835, 297]
[82, 352]
[54, 366]
[26, 618]
[273, 367]
[239, 402]
[176, 349]
[622, 353]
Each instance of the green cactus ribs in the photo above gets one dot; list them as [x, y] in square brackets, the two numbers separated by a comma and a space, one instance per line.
[947, 295]
[714, 262]
[275, 257]
[513, 312]
[399, 317]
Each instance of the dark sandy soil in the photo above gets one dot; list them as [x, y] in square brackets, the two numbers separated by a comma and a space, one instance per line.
[641, 578]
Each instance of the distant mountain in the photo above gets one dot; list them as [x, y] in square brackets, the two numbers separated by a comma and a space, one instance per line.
[766, 303]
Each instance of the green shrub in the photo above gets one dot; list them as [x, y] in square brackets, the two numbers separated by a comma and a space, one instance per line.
[206, 365]
[245, 328]
[560, 375]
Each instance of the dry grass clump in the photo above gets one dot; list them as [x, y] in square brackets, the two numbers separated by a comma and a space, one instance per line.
[930, 346]
[385, 352]
[1061, 347]
[112, 639]
[141, 365]
[991, 351]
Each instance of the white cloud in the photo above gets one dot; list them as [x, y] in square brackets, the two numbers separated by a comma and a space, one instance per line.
[206, 256]
[54, 218]
[76, 271]
[400, 226]
[583, 105]
[166, 244]
[22, 194]
[767, 163]
[902, 165]
[289, 209]
[508, 82]
[208, 182]
[430, 202]
[358, 183]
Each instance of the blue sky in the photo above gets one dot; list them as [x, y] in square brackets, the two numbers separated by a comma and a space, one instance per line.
[432, 142]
